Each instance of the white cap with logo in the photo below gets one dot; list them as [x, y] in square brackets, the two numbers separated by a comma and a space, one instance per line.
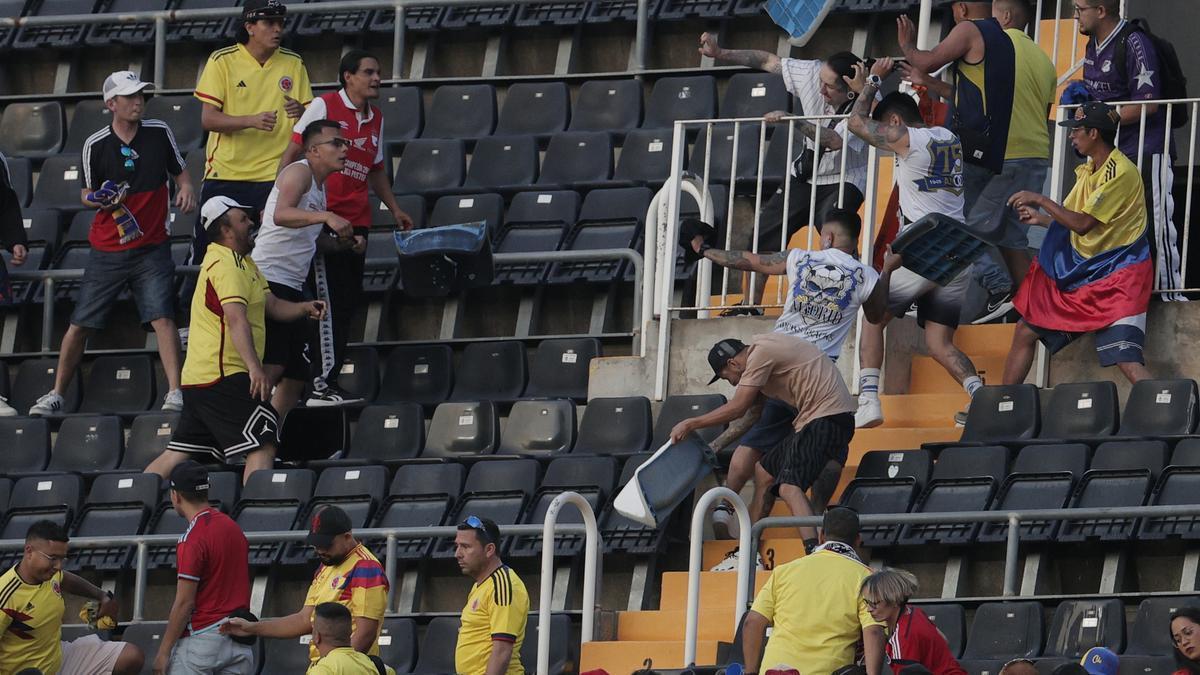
[218, 206]
[123, 83]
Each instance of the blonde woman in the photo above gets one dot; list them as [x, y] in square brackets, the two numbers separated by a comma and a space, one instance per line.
[912, 637]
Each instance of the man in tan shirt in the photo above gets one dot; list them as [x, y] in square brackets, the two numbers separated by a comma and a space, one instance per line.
[794, 371]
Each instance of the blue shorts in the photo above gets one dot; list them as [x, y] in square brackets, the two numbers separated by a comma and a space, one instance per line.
[148, 270]
[985, 193]
[772, 427]
[1122, 342]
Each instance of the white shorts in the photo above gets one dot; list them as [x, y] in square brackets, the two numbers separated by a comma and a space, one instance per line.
[89, 655]
[939, 304]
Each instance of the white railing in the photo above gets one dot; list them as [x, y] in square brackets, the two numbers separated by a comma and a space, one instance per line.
[591, 579]
[746, 557]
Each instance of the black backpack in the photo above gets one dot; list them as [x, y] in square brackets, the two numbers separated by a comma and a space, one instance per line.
[1174, 81]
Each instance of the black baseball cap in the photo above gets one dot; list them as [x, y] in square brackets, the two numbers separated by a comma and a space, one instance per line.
[189, 476]
[254, 10]
[327, 524]
[1094, 115]
[720, 354]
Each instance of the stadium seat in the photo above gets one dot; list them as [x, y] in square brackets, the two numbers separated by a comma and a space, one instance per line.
[610, 218]
[478, 16]
[90, 116]
[560, 368]
[645, 158]
[437, 647]
[951, 621]
[223, 490]
[420, 19]
[539, 428]
[559, 635]
[622, 535]
[404, 112]
[677, 408]
[612, 106]
[525, 238]
[1146, 665]
[125, 33]
[1005, 630]
[119, 384]
[381, 247]
[146, 635]
[1178, 484]
[199, 30]
[87, 444]
[1043, 477]
[1150, 634]
[37, 498]
[61, 36]
[466, 111]
[20, 173]
[538, 109]
[79, 228]
[118, 505]
[398, 643]
[477, 208]
[490, 371]
[41, 225]
[6, 485]
[33, 130]
[1009, 414]
[24, 291]
[462, 430]
[182, 114]
[504, 164]
[58, 184]
[285, 655]
[340, 22]
[577, 160]
[357, 490]
[1081, 410]
[680, 98]
[314, 433]
[273, 499]
[420, 374]
[593, 478]
[891, 464]
[429, 166]
[1121, 475]
[568, 13]
[420, 496]
[605, 11]
[720, 155]
[964, 479]
[413, 205]
[754, 95]
[1160, 408]
[549, 206]
[385, 433]
[614, 426]
[886, 482]
[499, 490]
[36, 377]
[13, 8]
[148, 437]
[359, 372]
[26, 443]
[1079, 625]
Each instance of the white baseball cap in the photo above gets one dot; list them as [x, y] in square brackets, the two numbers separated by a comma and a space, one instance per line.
[218, 206]
[123, 83]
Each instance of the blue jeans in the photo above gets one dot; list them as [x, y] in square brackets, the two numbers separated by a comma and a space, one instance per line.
[148, 270]
[985, 193]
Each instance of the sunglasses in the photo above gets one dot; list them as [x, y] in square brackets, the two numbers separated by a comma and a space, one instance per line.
[335, 142]
[476, 524]
[130, 155]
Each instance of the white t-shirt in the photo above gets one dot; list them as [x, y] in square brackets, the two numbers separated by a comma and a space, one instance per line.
[802, 78]
[284, 254]
[825, 290]
[930, 177]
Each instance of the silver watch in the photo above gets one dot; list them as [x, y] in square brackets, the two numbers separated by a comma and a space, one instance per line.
[874, 80]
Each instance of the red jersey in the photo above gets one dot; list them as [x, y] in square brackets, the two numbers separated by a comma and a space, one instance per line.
[213, 552]
[346, 191]
[917, 640]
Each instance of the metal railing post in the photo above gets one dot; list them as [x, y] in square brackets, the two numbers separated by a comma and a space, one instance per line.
[139, 582]
[1011, 555]
[641, 35]
[160, 52]
[746, 556]
[924, 21]
[591, 549]
[47, 312]
[389, 567]
[398, 44]
[666, 263]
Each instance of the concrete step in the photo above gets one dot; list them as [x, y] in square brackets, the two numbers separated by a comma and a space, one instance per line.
[717, 589]
[908, 438]
[775, 550]
[629, 656]
[928, 377]
[922, 410]
[715, 623]
[993, 339]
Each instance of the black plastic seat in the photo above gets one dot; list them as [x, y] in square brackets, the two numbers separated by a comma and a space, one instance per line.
[36, 377]
[613, 106]
[593, 478]
[420, 496]
[1042, 477]
[605, 11]
[35, 498]
[182, 114]
[148, 437]
[1160, 408]
[1150, 634]
[526, 238]
[615, 426]
[645, 158]
[680, 98]
[388, 433]
[87, 443]
[119, 384]
[42, 225]
[951, 621]
[1005, 630]
[58, 184]
[503, 163]
[357, 490]
[60, 36]
[892, 464]
[314, 433]
[538, 109]
[33, 130]
[1145, 665]
[462, 429]
[1079, 625]
[1178, 485]
[420, 374]
[398, 643]
[404, 111]
[90, 116]
[273, 500]
[754, 95]
[560, 368]
[577, 160]
[481, 16]
[381, 217]
[548, 206]
[199, 30]
[20, 174]
[497, 490]
[1081, 410]
[1121, 475]
[359, 372]
[118, 505]
[24, 291]
[558, 13]
[79, 228]
[677, 408]
[887, 482]
[491, 371]
[539, 428]
[457, 209]
[466, 111]
[1008, 413]
[609, 218]
[13, 8]
[125, 33]
[964, 479]
[559, 636]
[26, 443]
[437, 646]
[419, 19]
[719, 153]
[223, 490]
[6, 485]
[342, 22]
[381, 248]
[429, 166]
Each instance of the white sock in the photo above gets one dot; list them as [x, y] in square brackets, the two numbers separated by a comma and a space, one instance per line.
[972, 385]
[868, 383]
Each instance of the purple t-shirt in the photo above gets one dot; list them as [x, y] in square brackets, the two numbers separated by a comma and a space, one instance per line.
[1142, 81]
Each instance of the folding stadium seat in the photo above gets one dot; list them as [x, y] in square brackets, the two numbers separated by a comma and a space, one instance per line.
[719, 153]
[273, 500]
[462, 430]
[491, 371]
[13, 8]
[558, 634]
[680, 407]
[592, 477]
[194, 164]
[122, 33]
[223, 489]
[466, 111]
[1079, 625]
[557, 13]
[1160, 409]
[611, 218]
[386, 433]
[525, 238]
[534, 108]
[1042, 477]
[20, 174]
[381, 249]
[951, 621]
[887, 482]
[314, 433]
[33, 130]
[359, 372]
[26, 443]
[437, 647]
[548, 206]
[381, 217]
[37, 498]
[398, 643]
[1009, 413]
[503, 163]
[614, 426]
[341, 22]
[1081, 410]
[1004, 630]
[182, 114]
[1150, 634]
[622, 535]
[686, 9]
[79, 227]
[404, 111]
[560, 368]
[645, 158]
[87, 444]
[58, 184]
[41, 225]
[420, 374]
[429, 166]
[498, 490]
[36, 377]
[90, 116]
[1146, 665]
[614, 106]
[61, 36]
[754, 95]
[419, 19]
[199, 30]
[454, 210]
[680, 98]
[148, 437]
[356, 490]
[147, 635]
[118, 505]
[119, 384]
[6, 485]
[604, 11]
[577, 159]
[285, 655]
[1121, 475]
[478, 16]
[1178, 484]
[539, 428]
[964, 479]
[420, 495]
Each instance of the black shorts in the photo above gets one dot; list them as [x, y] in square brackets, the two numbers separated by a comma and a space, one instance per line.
[289, 344]
[221, 420]
[799, 459]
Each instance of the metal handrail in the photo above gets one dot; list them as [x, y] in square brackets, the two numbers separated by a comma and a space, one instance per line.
[591, 579]
[696, 543]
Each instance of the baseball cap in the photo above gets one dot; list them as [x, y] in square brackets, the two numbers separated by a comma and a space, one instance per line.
[720, 354]
[189, 476]
[1100, 661]
[218, 206]
[123, 83]
[326, 524]
[254, 10]
[1094, 115]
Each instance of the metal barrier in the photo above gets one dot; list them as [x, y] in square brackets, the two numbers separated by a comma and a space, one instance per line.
[696, 544]
[591, 558]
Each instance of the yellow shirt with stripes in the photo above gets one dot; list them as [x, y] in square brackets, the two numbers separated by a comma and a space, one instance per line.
[497, 609]
[237, 84]
[30, 623]
[225, 277]
[1114, 196]
[359, 583]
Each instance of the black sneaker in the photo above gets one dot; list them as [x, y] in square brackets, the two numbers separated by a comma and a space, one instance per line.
[331, 395]
[742, 311]
[998, 305]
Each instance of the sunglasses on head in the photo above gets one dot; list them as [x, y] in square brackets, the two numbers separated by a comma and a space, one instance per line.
[476, 524]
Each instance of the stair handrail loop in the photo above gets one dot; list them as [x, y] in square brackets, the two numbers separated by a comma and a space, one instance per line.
[746, 556]
[591, 558]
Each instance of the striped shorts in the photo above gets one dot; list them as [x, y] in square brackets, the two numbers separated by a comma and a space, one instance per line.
[799, 458]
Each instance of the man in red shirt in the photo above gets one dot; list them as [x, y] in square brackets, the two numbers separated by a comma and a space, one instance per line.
[213, 584]
[337, 271]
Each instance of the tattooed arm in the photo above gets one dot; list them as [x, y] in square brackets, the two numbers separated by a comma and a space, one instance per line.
[773, 263]
[882, 136]
[751, 58]
[738, 428]
[830, 139]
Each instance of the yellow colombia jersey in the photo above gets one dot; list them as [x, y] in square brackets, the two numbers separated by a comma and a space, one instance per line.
[358, 583]
[30, 624]
[225, 277]
[344, 661]
[237, 84]
[1114, 196]
[497, 609]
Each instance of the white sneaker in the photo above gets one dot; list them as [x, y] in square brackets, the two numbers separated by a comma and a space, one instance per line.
[725, 522]
[173, 401]
[730, 562]
[6, 410]
[870, 413]
[49, 404]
